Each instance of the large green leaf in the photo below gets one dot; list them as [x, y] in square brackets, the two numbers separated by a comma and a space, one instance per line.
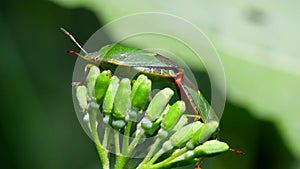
[258, 45]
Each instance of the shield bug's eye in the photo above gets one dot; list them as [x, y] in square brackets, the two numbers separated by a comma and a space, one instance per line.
[97, 58]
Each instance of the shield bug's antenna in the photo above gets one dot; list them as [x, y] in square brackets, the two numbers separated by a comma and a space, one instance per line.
[73, 39]
[74, 53]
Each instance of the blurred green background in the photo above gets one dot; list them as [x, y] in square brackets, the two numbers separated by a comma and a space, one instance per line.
[257, 42]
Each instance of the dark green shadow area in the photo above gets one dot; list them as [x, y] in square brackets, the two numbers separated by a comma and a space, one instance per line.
[38, 125]
[259, 140]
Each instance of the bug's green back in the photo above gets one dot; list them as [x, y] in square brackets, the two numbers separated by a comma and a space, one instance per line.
[137, 61]
[128, 56]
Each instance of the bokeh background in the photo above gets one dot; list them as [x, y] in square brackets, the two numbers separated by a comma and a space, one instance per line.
[258, 43]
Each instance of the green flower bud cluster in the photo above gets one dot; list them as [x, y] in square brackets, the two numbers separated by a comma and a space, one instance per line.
[120, 111]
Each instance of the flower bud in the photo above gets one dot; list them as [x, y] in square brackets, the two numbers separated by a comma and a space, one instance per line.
[210, 148]
[110, 95]
[101, 85]
[203, 133]
[81, 95]
[122, 99]
[173, 115]
[158, 104]
[91, 80]
[140, 92]
[183, 135]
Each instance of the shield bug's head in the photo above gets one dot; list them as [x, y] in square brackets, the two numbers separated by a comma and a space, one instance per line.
[91, 57]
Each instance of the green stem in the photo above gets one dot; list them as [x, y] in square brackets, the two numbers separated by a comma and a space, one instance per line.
[150, 153]
[117, 143]
[102, 152]
[121, 161]
[126, 138]
[135, 141]
[168, 160]
[103, 155]
[106, 136]
[155, 157]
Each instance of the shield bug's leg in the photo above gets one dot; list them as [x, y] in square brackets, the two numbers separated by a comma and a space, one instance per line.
[197, 166]
[86, 70]
[236, 151]
[195, 116]
[186, 95]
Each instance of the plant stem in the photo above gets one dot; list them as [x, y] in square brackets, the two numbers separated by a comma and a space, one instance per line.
[168, 160]
[135, 141]
[106, 136]
[151, 152]
[157, 155]
[117, 143]
[121, 161]
[103, 155]
[126, 138]
[102, 152]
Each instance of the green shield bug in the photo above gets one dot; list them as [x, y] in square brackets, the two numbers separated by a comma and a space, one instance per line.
[155, 66]
[122, 97]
